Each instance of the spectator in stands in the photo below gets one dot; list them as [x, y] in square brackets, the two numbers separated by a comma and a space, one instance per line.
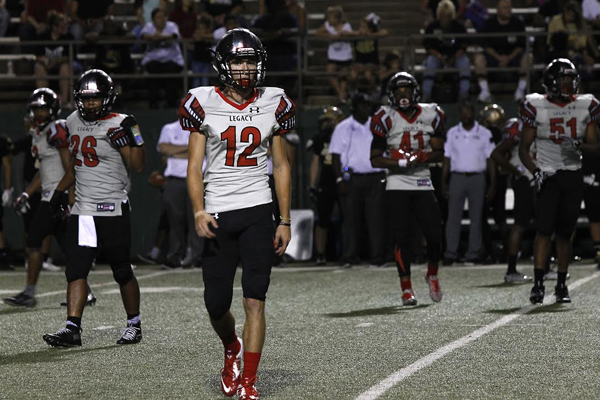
[466, 159]
[447, 51]
[202, 59]
[475, 15]
[429, 8]
[569, 36]
[4, 18]
[366, 62]
[278, 30]
[163, 55]
[33, 18]
[591, 12]
[218, 10]
[53, 58]
[392, 63]
[505, 50]
[184, 15]
[230, 22]
[112, 58]
[143, 13]
[339, 52]
[295, 7]
[88, 16]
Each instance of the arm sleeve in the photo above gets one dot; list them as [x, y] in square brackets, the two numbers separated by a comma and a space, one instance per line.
[438, 122]
[191, 114]
[381, 123]
[58, 135]
[594, 110]
[285, 115]
[528, 113]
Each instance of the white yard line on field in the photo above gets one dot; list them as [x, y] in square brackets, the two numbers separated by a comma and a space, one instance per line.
[380, 388]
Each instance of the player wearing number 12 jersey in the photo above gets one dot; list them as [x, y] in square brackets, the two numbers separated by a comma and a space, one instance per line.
[104, 146]
[563, 125]
[411, 133]
[233, 125]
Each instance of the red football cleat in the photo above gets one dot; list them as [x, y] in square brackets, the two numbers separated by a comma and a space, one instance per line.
[231, 372]
[408, 298]
[435, 292]
[247, 389]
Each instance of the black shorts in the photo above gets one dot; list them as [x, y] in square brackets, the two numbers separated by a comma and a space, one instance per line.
[524, 201]
[325, 204]
[34, 202]
[113, 236]
[43, 224]
[559, 203]
[591, 197]
[244, 236]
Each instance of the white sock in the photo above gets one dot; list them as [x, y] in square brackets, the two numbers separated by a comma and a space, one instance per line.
[522, 85]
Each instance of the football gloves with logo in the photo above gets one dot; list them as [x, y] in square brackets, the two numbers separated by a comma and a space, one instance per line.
[118, 137]
[539, 177]
[22, 204]
[56, 203]
[569, 143]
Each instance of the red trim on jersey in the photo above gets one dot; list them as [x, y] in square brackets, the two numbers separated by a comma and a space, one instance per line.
[236, 105]
[414, 118]
[560, 103]
[109, 116]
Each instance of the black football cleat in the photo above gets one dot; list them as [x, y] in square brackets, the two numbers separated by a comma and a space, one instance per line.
[63, 338]
[537, 295]
[20, 300]
[562, 294]
[131, 335]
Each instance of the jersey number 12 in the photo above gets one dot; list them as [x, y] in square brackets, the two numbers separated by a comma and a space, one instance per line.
[251, 135]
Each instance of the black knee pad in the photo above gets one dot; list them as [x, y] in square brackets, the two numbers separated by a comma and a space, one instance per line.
[123, 274]
[72, 273]
[217, 302]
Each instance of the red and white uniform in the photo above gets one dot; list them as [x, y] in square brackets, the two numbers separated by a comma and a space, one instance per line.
[237, 137]
[45, 147]
[409, 135]
[554, 120]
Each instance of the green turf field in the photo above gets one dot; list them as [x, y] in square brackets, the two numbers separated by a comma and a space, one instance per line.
[332, 334]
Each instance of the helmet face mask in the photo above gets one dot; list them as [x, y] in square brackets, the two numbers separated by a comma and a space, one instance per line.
[43, 106]
[240, 60]
[403, 91]
[94, 84]
[561, 80]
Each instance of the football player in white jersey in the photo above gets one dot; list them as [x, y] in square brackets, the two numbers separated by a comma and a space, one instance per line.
[562, 124]
[104, 146]
[407, 136]
[506, 155]
[233, 125]
[50, 146]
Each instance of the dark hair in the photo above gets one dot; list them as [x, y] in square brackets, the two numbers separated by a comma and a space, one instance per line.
[154, 12]
[574, 7]
[466, 104]
[389, 57]
[359, 98]
[54, 17]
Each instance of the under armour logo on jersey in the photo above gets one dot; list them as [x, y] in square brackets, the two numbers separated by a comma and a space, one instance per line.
[253, 109]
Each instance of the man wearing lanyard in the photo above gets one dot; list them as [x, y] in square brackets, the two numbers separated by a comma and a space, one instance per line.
[173, 144]
[360, 186]
[466, 157]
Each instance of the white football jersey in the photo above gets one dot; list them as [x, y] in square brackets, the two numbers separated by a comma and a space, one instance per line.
[45, 147]
[554, 120]
[512, 132]
[237, 137]
[408, 135]
[101, 176]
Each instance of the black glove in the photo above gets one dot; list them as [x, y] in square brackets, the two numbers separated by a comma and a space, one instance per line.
[56, 204]
[133, 131]
[539, 177]
[313, 193]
